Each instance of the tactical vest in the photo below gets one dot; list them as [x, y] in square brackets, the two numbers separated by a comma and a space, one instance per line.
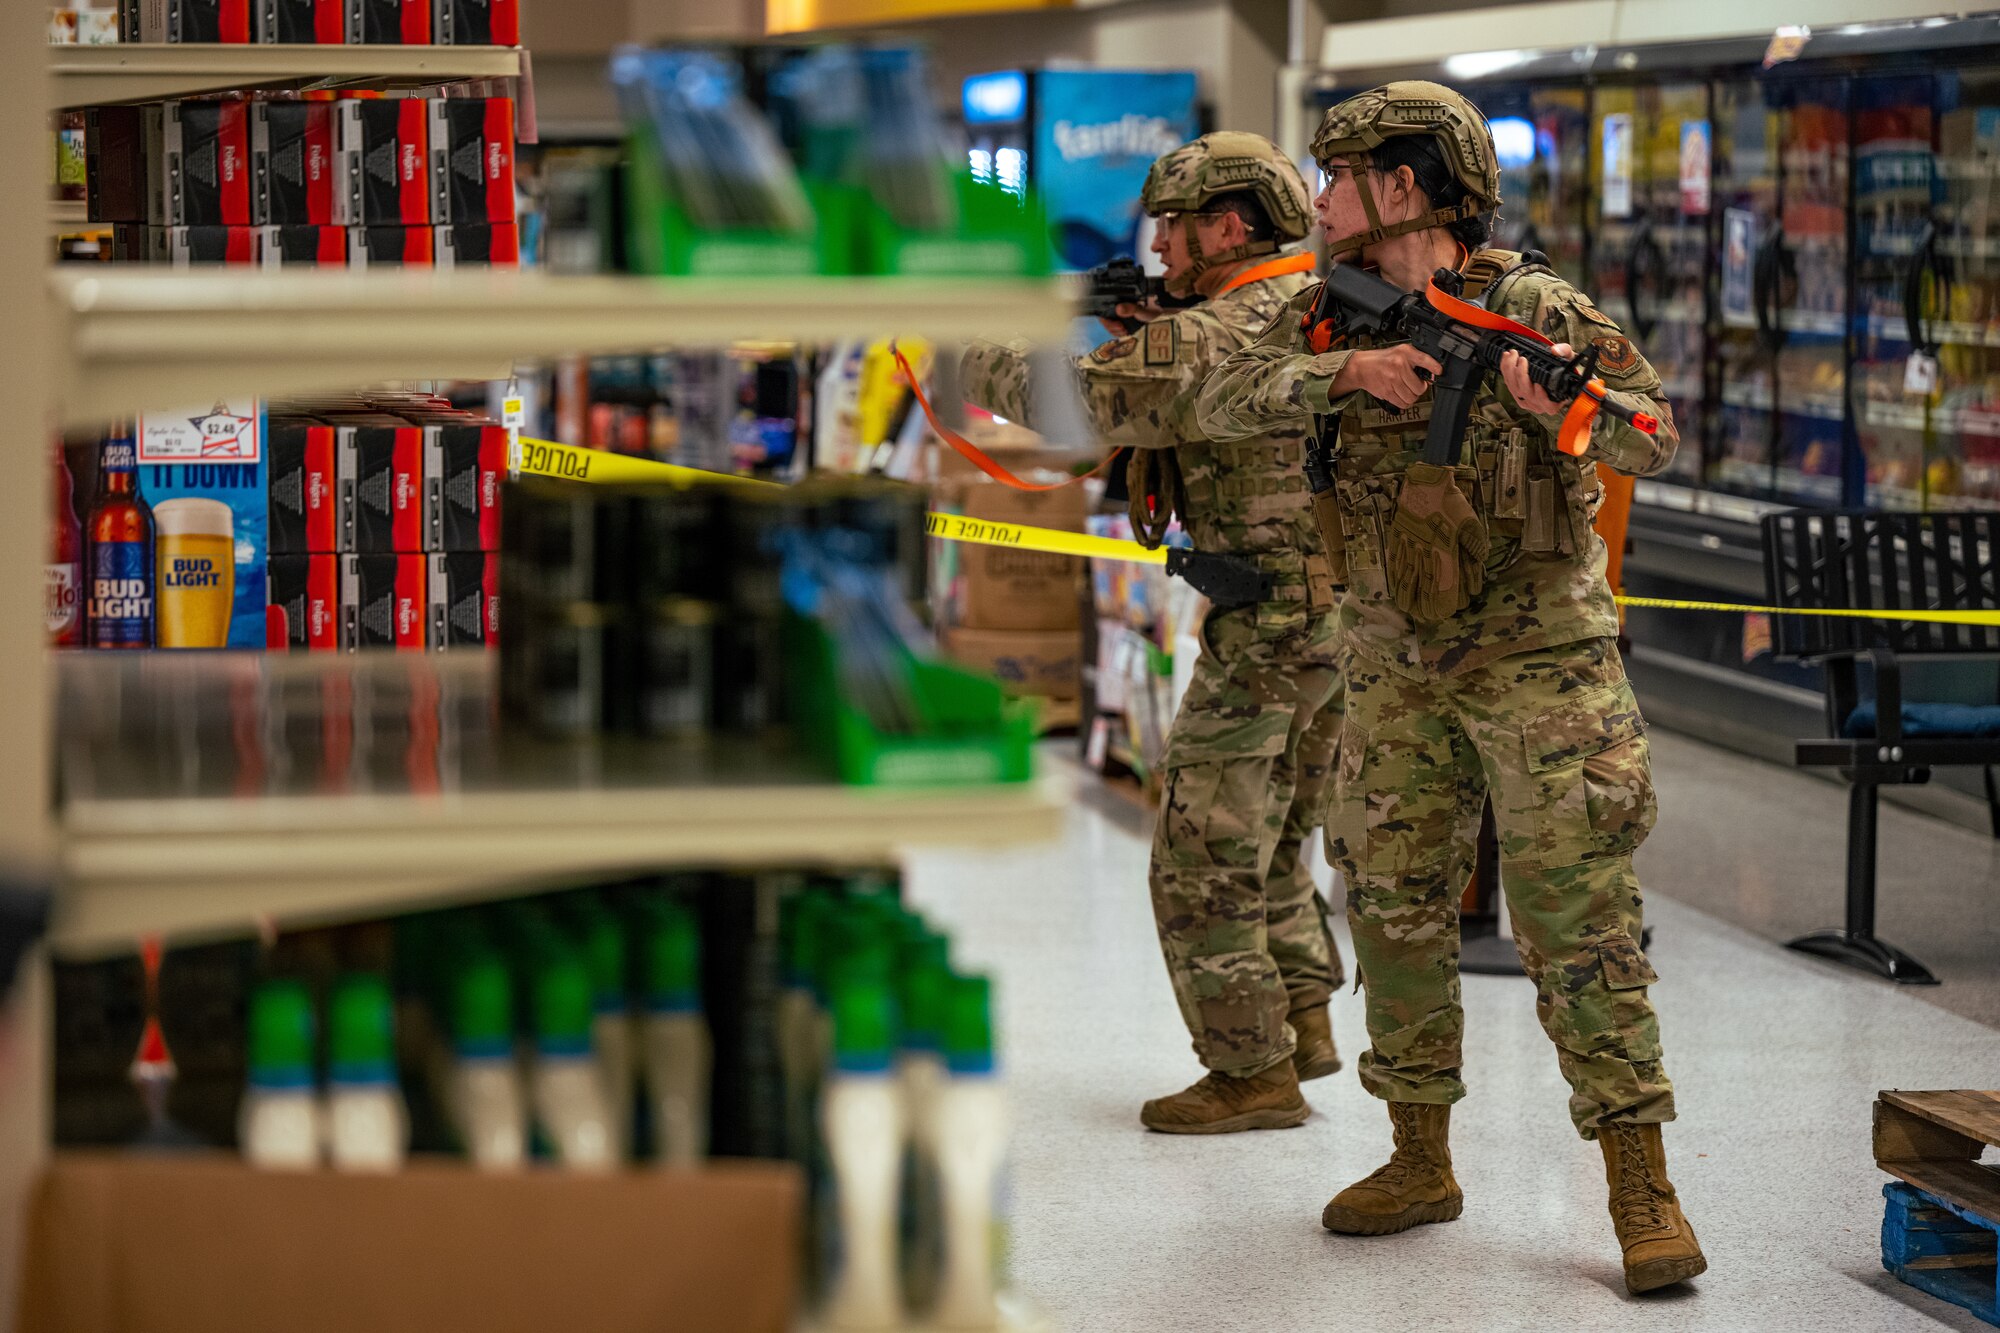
[1533, 498]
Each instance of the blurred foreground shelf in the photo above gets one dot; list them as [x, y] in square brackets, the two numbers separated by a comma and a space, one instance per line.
[136, 340]
[207, 794]
[155, 71]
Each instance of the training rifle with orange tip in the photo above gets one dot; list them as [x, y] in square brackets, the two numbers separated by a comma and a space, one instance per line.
[1466, 341]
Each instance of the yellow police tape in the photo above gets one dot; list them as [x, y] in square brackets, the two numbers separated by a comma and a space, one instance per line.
[546, 458]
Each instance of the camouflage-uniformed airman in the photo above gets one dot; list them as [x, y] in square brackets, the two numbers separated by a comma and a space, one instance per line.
[1478, 641]
[1240, 923]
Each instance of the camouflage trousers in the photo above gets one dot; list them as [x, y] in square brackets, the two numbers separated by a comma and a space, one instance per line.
[1556, 738]
[1251, 751]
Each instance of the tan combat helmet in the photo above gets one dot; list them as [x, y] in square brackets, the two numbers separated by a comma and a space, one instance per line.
[1363, 123]
[1186, 180]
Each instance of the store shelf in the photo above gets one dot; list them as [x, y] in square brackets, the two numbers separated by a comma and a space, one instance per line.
[1945, 421]
[101, 75]
[1825, 323]
[207, 794]
[136, 340]
[1948, 332]
[1757, 398]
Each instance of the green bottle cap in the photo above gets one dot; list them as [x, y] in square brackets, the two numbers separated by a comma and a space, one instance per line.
[361, 1034]
[482, 1006]
[562, 1004]
[281, 1036]
[673, 960]
[604, 954]
[864, 1025]
[968, 1026]
[926, 990]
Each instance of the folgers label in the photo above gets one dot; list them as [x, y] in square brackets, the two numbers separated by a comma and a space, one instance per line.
[208, 175]
[382, 159]
[306, 588]
[121, 594]
[304, 488]
[472, 159]
[463, 469]
[464, 591]
[386, 467]
[478, 22]
[382, 602]
[320, 22]
[389, 22]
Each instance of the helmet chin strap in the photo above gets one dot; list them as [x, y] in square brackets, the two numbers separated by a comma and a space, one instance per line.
[1349, 248]
[1202, 263]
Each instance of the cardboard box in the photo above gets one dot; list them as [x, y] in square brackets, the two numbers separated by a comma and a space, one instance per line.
[381, 470]
[292, 155]
[305, 589]
[308, 247]
[1039, 663]
[312, 22]
[1002, 588]
[191, 21]
[382, 166]
[472, 159]
[487, 244]
[205, 177]
[464, 590]
[390, 247]
[130, 1243]
[118, 163]
[477, 22]
[184, 247]
[463, 468]
[305, 485]
[382, 602]
[389, 22]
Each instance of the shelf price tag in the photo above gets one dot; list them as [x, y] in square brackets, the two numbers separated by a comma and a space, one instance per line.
[1920, 375]
[513, 415]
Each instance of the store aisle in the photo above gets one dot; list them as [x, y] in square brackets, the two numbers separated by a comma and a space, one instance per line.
[1777, 1060]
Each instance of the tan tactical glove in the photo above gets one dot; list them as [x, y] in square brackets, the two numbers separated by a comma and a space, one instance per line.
[1437, 546]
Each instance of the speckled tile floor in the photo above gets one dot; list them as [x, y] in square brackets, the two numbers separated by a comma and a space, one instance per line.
[1776, 1059]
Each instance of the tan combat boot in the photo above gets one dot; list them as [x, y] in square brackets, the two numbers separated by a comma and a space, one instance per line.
[1313, 1055]
[1220, 1104]
[1413, 1187]
[1660, 1248]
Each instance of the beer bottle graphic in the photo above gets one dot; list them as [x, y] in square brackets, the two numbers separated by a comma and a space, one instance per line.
[121, 549]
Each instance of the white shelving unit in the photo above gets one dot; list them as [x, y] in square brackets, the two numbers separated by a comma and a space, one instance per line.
[132, 340]
[93, 344]
[150, 72]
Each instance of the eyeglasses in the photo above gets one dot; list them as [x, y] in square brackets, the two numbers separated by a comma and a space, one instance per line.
[1332, 170]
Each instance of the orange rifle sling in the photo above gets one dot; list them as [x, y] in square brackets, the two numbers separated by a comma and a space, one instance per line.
[972, 452]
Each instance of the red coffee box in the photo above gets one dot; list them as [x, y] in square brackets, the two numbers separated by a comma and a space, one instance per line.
[206, 177]
[292, 153]
[382, 602]
[311, 22]
[306, 588]
[120, 157]
[472, 159]
[184, 247]
[479, 245]
[464, 591]
[389, 22]
[477, 22]
[463, 468]
[390, 247]
[318, 247]
[381, 471]
[304, 505]
[382, 162]
[191, 20]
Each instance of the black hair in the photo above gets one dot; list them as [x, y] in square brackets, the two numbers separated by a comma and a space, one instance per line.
[1257, 223]
[1425, 160]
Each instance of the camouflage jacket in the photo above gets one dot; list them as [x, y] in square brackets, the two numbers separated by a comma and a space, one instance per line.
[1545, 581]
[1248, 496]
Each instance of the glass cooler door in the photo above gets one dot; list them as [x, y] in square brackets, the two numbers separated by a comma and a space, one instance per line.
[1540, 137]
[1961, 446]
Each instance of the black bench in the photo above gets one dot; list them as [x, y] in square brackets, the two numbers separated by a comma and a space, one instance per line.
[1878, 561]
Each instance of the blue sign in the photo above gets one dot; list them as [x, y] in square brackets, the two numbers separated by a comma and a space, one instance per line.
[1095, 136]
[217, 453]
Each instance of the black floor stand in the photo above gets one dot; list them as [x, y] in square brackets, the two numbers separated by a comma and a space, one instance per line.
[1854, 945]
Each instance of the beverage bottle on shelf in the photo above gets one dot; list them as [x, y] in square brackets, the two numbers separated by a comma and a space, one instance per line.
[62, 584]
[279, 1122]
[568, 1098]
[678, 1049]
[120, 564]
[603, 936]
[970, 1130]
[801, 1061]
[862, 1119]
[924, 985]
[367, 1125]
[486, 1084]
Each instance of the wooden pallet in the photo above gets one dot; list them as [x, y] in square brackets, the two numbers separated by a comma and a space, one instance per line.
[1941, 1228]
